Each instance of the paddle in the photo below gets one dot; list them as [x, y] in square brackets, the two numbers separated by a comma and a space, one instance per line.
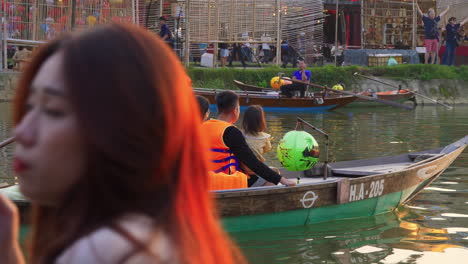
[356, 95]
[7, 142]
[399, 88]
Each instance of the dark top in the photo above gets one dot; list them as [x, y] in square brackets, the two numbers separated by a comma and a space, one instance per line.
[165, 31]
[234, 139]
[223, 45]
[430, 27]
[452, 33]
[284, 49]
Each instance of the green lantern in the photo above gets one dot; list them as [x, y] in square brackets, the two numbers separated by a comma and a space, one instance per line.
[298, 151]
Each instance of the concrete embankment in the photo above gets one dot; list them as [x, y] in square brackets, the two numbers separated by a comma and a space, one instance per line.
[448, 91]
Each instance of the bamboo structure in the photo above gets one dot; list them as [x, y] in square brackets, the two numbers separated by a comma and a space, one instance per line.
[29, 22]
[387, 23]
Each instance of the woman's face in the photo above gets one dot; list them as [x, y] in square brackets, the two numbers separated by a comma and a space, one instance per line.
[49, 154]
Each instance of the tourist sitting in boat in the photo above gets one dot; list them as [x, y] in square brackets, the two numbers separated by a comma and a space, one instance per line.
[302, 75]
[204, 106]
[253, 128]
[111, 168]
[228, 148]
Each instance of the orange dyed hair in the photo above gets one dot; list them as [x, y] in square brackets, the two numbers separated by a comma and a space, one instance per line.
[141, 123]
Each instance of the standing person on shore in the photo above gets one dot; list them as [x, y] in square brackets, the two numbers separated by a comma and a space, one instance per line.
[223, 53]
[237, 51]
[108, 148]
[165, 32]
[301, 75]
[451, 40]
[431, 33]
[228, 146]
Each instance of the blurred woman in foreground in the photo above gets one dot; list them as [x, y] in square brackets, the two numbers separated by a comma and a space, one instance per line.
[108, 152]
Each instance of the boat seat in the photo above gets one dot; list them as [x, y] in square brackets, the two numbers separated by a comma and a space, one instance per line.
[423, 156]
[371, 170]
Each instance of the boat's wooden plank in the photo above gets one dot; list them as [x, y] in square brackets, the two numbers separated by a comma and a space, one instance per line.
[342, 195]
[372, 169]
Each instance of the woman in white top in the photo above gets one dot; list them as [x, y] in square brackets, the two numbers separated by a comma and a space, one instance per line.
[109, 154]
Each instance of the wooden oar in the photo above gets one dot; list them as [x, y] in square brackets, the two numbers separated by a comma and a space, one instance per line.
[399, 87]
[7, 142]
[356, 95]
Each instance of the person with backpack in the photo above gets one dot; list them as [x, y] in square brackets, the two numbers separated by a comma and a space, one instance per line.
[452, 37]
[431, 40]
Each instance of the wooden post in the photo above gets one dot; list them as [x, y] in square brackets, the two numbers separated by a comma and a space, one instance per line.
[415, 15]
[34, 20]
[161, 6]
[5, 36]
[215, 46]
[362, 24]
[278, 32]
[133, 12]
[254, 17]
[336, 31]
[187, 34]
[73, 9]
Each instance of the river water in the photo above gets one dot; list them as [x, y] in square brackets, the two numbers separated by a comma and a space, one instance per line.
[433, 228]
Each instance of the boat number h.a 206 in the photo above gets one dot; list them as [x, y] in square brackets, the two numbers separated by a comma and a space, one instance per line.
[358, 191]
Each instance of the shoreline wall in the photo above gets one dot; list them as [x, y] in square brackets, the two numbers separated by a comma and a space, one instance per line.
[448, 91]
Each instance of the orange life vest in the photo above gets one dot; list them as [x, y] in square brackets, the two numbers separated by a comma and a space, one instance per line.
[223, 166]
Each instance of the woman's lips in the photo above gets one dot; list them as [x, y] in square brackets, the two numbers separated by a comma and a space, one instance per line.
[19, 165]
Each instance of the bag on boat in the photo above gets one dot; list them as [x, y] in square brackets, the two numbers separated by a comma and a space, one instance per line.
[223, 181]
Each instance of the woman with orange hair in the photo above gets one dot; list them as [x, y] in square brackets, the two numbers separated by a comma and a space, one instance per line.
[108, 152]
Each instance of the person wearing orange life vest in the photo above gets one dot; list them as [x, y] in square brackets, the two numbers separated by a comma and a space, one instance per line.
[228, 146]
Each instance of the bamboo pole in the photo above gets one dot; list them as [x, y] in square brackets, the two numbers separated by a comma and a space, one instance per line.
[215, 45]
[415, 14]
[161, 6]
[362, 24]
[278, 32]
[187, 34]
[336, 31]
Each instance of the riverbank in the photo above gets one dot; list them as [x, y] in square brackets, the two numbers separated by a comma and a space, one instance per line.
[449, 84]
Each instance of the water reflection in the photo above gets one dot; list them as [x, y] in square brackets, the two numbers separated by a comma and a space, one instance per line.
[383, 238]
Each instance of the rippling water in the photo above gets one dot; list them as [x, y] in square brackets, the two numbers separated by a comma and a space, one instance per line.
[433, 228]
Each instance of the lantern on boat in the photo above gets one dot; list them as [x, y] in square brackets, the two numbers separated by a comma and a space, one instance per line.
[298, 151]
[276, 82]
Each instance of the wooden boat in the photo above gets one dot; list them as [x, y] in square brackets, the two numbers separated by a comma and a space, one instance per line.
[394, 96]
[272, 101]
[354, 189]
[251, 88]
[399, 96]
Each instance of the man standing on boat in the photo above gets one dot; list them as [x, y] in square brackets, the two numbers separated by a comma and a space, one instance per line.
[302, 75]
[431, 34]
[228, 146]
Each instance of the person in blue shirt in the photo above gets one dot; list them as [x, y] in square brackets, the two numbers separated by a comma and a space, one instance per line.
[302, 75]
[164, 31]
[431, 40]
[451, 40]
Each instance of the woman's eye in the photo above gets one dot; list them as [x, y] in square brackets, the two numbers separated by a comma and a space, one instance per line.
[27, 108]
[55, 113]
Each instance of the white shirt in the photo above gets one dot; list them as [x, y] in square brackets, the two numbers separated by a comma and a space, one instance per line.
[106, 245]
